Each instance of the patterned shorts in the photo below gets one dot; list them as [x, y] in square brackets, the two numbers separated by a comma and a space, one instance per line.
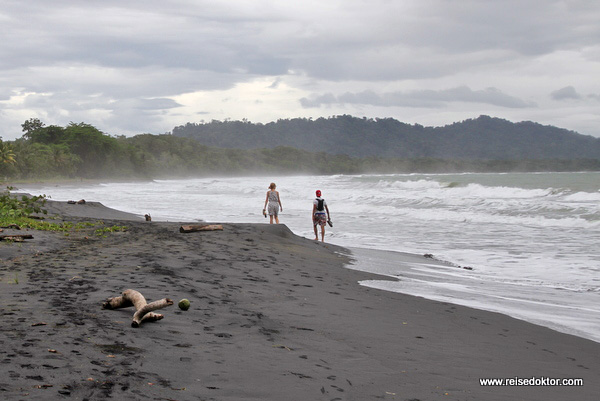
[320, 219]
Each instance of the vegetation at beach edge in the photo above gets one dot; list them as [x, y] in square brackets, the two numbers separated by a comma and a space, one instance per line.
[80, 151]
[24, 212]
[17, 210]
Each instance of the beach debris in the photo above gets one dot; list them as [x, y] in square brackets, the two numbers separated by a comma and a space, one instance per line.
[430, 256]
[15, 237]
[190, 228]
[184, 304]
[39, 324]
[43, 386]
[13, 226]
[144, 311]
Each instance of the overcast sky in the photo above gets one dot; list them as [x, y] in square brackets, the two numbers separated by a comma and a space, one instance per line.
[146, 66]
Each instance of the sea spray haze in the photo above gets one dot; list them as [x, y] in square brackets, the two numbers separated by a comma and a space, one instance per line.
[530, 238]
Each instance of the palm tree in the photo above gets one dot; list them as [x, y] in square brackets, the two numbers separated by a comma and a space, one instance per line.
[6, 154]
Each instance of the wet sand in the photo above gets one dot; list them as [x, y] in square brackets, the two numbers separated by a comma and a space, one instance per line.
[273, 317]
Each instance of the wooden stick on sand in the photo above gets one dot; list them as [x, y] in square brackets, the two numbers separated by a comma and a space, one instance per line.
[190, 228]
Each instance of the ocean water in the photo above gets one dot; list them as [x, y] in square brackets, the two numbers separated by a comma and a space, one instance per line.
[523, 244]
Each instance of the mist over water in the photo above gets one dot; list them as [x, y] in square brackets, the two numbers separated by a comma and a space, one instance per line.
[530, 239]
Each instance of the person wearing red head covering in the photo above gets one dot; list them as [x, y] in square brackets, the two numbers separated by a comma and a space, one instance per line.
[320, 215]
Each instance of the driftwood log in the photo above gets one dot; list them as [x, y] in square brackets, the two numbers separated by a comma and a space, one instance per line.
[14, 226]
[15, 237]
[144, 311]
[190, 228]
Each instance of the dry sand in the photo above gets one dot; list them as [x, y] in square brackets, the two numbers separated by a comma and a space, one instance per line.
[273, 317]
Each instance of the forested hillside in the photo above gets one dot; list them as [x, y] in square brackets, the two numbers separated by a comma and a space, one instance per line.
[81, 151]
[484, 138]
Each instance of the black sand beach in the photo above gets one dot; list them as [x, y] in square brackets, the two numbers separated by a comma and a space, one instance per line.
[273, 317]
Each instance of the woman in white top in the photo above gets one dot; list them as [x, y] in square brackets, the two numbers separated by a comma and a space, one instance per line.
[274, 204]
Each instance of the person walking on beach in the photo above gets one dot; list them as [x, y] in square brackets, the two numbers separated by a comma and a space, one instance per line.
[274, 202]
[320, 216]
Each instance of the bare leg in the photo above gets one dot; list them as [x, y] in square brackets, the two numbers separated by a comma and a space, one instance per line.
[277, 219]
[322, 233]
[316, 233]
[271, 219]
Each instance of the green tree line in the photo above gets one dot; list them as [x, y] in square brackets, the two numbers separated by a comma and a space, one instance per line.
[81, 151]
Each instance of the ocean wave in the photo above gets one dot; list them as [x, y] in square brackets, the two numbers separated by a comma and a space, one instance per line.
[593, 197]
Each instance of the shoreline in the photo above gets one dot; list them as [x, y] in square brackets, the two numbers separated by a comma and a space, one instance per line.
[274, 316]
[443, 281]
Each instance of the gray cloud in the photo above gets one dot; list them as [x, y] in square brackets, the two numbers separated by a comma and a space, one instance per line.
[568, 92]
[424, 98]
[373, 42]
[438, 38]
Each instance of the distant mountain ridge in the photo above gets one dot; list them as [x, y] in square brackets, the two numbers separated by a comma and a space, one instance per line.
[483, 138]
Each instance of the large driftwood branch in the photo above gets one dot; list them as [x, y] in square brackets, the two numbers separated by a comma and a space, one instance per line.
[190, 228]
[143, 309]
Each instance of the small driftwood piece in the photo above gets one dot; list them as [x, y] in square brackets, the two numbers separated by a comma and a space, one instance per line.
[15, 237]
[13, 226]
[144, 311]
[190, 228]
